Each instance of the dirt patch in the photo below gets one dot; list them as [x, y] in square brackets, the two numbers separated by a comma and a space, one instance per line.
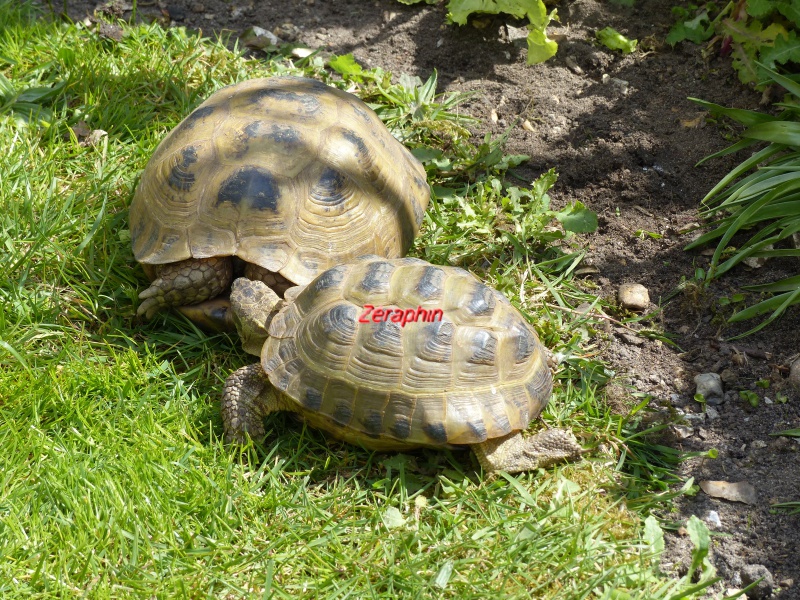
[626, 150]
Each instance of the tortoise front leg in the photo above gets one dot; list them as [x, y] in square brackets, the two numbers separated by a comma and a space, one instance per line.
[515, 453]
[186, 282]
[247, 398]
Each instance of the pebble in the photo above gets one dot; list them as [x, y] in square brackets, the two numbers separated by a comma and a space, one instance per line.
[728, 377]
[710, 386]
[752, 573]
[794, 374]
[633, 296]
[619, 84]
[712, 413]
[573, 65]
[713, 518]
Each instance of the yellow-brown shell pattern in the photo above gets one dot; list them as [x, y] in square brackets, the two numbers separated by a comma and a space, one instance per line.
[286, 173]
[478, 373]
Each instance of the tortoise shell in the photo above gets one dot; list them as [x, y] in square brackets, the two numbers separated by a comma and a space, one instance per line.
[465, 367]
[285, 173]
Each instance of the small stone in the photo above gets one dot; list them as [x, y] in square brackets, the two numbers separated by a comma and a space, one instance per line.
[197, 7]
[751, 574]
[526, 125]
[759, 444]
[287, 31]
[633, 296]
[713, 518]
[794, 374]
[517, 33]
[712, 413]
[618, 84]
[709, 385]
[728, 377]
[786, 583]
[682, 431]
[302, 52]
[573, 65]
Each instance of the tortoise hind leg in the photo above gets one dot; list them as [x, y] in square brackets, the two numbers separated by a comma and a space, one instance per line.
[186, 282]
[247, 398]
[514, 453]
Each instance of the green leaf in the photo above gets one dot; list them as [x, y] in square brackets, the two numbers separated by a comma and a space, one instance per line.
[577, 218]
[696, 30]
[346, 65]
[778, 132]
[459, 10]
[785, 49]
[443, 576]
[788, 433]
[613, 39]
[653, 535]
[392, 518]
[540, 47]
[698, 534]
[760, 8]
[746, 117]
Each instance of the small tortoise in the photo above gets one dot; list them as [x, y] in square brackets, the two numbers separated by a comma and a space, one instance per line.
[392, 355]
[287, 174]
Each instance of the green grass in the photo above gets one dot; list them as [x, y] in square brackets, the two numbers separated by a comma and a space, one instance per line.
[115, 482]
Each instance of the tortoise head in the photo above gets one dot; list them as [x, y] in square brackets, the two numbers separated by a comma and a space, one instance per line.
[253, 305]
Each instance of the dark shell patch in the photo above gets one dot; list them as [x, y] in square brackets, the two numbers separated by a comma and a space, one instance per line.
[179, 177]
[436, 432]
[341, 320]
[251, 186]
[312, 399]
[355, 139]
[484, 348]
[198, 114]
[330, 187]
[482, 301]
[307, 100]
[526, 344]
[373, 422]
[330, 278]
[401, 428]
[430, 285]
[377, 277]
[283, 134]
[342, 414]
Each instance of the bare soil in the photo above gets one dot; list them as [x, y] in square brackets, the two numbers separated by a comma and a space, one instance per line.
[630, 157]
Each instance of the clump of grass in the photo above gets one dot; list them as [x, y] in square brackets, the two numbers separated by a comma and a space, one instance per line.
[115, 480]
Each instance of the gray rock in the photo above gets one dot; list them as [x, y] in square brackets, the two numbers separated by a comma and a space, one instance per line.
[712, 413]
[710, 386]
[751, 573]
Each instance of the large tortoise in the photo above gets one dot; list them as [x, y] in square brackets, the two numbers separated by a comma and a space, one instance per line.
[287, 174]
[393, 355]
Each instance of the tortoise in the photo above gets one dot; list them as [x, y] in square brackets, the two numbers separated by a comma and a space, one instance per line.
[394, 355]
[278, 178]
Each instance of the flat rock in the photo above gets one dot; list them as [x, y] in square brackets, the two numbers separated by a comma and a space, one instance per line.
[735, 492]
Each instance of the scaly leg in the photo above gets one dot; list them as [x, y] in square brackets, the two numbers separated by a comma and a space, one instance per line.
[247, 398]
[514, 453]
[186, 282]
